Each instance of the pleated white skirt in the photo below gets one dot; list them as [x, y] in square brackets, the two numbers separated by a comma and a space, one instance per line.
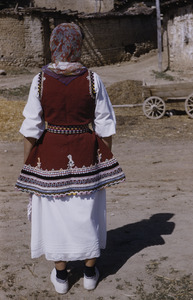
[69, 228]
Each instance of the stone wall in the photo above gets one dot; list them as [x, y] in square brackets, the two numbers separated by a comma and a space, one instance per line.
[178, 37]
[87, 6]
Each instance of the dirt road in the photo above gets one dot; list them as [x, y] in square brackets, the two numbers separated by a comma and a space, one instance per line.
[149, 217]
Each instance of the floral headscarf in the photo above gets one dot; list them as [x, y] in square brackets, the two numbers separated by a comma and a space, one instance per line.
[65, 46]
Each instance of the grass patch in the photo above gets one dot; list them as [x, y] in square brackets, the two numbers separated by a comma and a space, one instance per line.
[15, 93]
[162, 75]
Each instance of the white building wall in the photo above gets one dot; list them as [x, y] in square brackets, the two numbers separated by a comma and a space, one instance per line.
[179, 37]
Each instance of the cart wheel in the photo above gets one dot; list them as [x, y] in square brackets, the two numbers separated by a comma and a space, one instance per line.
[154, 107]
[189, 105]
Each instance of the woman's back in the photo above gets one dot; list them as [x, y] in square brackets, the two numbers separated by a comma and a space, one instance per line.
[69, 100]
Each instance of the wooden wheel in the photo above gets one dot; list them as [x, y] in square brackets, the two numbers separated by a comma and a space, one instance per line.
[154, 107]
[189, 105]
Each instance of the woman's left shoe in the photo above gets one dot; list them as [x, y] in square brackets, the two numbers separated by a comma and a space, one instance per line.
[91, 282]
[61, 286]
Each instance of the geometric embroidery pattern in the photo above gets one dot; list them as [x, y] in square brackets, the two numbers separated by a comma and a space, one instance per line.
[71, 181]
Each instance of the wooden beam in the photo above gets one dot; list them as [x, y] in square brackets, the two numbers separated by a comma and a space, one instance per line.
[159, 36]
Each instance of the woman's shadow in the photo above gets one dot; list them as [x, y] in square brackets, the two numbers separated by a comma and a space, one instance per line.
[126, 241]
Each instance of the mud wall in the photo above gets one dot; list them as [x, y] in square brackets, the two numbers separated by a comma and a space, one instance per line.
[111, 40]
[24, 40]
[178, 37]
[87, 6]
[21, 41]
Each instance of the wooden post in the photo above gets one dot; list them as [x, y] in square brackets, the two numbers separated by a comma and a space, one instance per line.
[159, 36]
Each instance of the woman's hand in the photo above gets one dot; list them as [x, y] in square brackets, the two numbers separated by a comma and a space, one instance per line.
[108, 141]
[28, 145]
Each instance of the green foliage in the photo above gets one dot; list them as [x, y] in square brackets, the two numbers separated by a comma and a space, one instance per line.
[163, 75]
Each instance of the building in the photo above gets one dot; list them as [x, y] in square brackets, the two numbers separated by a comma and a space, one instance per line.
[86, 6]
[109, 37]
[178, 33]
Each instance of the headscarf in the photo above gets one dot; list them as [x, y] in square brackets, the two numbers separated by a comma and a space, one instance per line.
[65, 46]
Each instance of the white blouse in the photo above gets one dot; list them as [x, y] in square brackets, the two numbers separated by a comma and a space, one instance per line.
[34, 124]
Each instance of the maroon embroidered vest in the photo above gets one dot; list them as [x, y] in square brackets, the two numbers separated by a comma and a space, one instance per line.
[71, 104]
[61, 163]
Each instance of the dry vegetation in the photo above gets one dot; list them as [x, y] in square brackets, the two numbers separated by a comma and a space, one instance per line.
[128, 91]
[10, 119]
[130, 121]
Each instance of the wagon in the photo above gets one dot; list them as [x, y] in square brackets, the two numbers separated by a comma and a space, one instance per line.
[155, 98]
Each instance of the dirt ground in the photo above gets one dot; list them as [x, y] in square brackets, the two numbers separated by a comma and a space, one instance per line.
[149, 252]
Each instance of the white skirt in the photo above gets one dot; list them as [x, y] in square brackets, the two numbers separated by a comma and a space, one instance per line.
[68, 228]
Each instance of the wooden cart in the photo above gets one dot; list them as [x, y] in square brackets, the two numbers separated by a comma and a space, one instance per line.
[155, 98]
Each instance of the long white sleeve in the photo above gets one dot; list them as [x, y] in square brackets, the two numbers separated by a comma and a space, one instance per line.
[104, 122]
[33, 125]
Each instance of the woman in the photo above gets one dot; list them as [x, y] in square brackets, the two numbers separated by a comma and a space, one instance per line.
[68, 165]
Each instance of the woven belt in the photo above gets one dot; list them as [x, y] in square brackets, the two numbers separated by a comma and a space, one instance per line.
[72, 129]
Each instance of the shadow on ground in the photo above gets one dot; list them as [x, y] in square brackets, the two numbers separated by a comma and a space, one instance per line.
[126, 241]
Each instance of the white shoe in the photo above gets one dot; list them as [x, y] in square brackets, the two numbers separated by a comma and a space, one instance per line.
[91, 282]
[61, 286]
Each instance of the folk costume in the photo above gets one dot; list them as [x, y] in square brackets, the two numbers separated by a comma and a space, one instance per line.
[69, 166]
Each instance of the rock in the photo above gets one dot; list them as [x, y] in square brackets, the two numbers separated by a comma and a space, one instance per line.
[2, 72]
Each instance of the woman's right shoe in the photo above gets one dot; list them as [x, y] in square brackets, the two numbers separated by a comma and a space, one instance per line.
[91, 282]
[61, 286]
